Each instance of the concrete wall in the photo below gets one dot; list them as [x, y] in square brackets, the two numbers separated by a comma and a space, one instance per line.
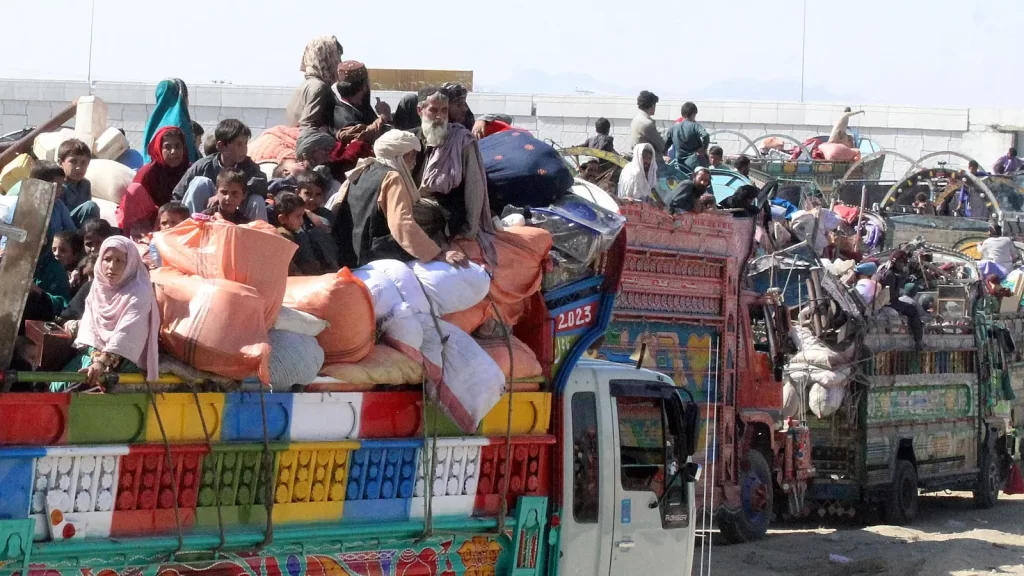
[566, 120]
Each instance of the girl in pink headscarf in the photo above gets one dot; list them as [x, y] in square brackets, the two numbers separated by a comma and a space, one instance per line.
[120, 326]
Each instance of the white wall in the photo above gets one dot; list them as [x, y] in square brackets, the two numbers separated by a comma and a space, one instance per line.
[566, 120]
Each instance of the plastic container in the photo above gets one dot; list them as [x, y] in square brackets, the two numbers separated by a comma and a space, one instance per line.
[111, 144]
[91, 117]
[16, 171]
[579, 229]
[565, 271]
[45, 146]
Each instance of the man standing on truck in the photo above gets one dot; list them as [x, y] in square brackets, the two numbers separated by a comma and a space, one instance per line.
[895, 278]
[689, 139]
[1008, 163]
[839, 135]
[643, 129]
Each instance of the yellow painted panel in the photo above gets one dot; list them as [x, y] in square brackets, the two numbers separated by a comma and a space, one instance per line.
[311, 481]
[531, 415]
[181, 418]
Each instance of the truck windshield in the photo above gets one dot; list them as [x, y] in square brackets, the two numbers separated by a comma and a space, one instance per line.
[641, 444]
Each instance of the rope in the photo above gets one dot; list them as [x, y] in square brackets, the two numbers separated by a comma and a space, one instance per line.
[508, 425]
[216, 475]
[170, 467]
[268, 471]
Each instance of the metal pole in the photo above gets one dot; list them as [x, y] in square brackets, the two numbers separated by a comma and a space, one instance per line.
[803, 52]
[92, 22]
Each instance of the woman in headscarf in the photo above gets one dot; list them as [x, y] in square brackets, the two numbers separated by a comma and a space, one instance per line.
[406, 116]
[155, 181]
[373, 219]
[312, 103]
[120, 327]
[171, 110]
[640, 176]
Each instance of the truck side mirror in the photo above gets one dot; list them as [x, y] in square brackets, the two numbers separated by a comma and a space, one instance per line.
[691, 416]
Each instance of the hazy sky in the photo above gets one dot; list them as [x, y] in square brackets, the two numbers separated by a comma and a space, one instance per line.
[924, 52]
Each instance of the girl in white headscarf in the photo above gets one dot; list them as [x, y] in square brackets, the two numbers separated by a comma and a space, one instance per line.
[381, 190]
[640, 176]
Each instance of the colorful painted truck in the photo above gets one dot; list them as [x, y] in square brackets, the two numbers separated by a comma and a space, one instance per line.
[588, 476]
[686, 308]
[912, 420]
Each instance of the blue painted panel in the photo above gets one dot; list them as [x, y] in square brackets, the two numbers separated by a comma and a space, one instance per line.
[243, 418]
[16, 486]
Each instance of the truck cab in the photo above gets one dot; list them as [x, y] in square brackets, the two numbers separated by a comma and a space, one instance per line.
[629, 484]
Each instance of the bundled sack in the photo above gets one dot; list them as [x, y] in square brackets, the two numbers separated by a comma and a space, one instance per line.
[461, 378]
[276, 144]
[790, 400]
[523, 364]
[294, 358]
[825, 402]
[800, 373]
[384, 365]
[522, 170]
[109, 179]
[345, 303]
[252, 254]
[394, 309]
[299, 322]
[449, 288]
[212, 325]
[812, 351]
[522, 254]
[836, 152]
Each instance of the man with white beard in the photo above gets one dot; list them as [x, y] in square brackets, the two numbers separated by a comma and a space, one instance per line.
[449, 171]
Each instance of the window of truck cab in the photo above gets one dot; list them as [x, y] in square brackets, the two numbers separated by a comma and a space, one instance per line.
[650, 440]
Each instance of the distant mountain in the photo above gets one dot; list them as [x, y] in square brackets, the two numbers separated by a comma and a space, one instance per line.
[539, 82]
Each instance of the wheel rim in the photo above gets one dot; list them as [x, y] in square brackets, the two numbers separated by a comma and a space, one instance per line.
[993, 479]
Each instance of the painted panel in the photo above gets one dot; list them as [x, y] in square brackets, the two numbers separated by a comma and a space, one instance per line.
[79, 482]
[107, 418]
[455, 479]
[243, 417]
[30, 419]
[146, 487]
[381, 481]
[391, 415]
[921, 403]
[325, 416]
[528, 474]
[16, 466]
[310, 482]
[237, 475]
[181, 418]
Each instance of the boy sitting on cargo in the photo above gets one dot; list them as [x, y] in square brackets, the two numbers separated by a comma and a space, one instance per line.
[197, 191]
[231, 193]
[74, 157]
[312, 188]
[291, 215]
[60, 216]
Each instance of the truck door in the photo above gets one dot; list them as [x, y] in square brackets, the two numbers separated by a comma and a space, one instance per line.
[653, 533]
[588, 463]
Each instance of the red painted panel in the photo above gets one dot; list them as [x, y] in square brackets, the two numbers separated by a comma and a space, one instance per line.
[145, 499]
[530, 472]
[391, 415]
[31, 419]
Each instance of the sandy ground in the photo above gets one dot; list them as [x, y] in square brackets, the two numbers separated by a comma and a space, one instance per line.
[949, 537]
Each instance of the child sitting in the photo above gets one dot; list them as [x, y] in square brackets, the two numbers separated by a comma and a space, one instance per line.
[60, 216]
[82, 274]
[291, 212]
[312, 188]
[74, 157]
[197, 187]
[94, 232]
[171, 214]
[68, 248]
[231, 185]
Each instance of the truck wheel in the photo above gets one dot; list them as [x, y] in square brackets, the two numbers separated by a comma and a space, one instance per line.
[901, 508]
[990, 481]
[751, 521]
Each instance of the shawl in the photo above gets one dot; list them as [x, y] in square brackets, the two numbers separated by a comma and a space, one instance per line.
[123, 318]
[634, 183]
[171, 110]
[406, 116]
[443, 171]
[321, 59]
[389, 150]
[157, 177]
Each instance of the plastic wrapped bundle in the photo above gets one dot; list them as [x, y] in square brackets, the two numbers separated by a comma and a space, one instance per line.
[579, 229]
[565, 271]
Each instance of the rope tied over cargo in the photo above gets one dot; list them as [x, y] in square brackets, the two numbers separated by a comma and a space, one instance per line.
[170, 468]
[268, 471]
[216, 476]
[507, 336]
[430, 461]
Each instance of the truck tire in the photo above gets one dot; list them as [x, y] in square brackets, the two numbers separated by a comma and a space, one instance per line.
[990, 480]
[901, 507]
[750, 522]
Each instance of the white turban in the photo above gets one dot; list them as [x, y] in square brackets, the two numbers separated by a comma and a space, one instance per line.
[390, 149]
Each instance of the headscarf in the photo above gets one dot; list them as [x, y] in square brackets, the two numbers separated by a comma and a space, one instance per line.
[171, 110]
[406, 116]
[311, 141]
[634, 182]
[321, 59]
[123, 318]
[866, 268]
[157, 177]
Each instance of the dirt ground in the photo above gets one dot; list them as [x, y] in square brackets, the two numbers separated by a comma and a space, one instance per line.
[950, 537]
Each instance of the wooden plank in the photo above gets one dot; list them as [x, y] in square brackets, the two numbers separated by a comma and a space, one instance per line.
[18, 265]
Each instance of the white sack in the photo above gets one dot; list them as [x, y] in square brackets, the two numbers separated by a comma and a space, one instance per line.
[405, 280]
[452, 289]
[824, 402]
[291, 320]
[294, 358]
